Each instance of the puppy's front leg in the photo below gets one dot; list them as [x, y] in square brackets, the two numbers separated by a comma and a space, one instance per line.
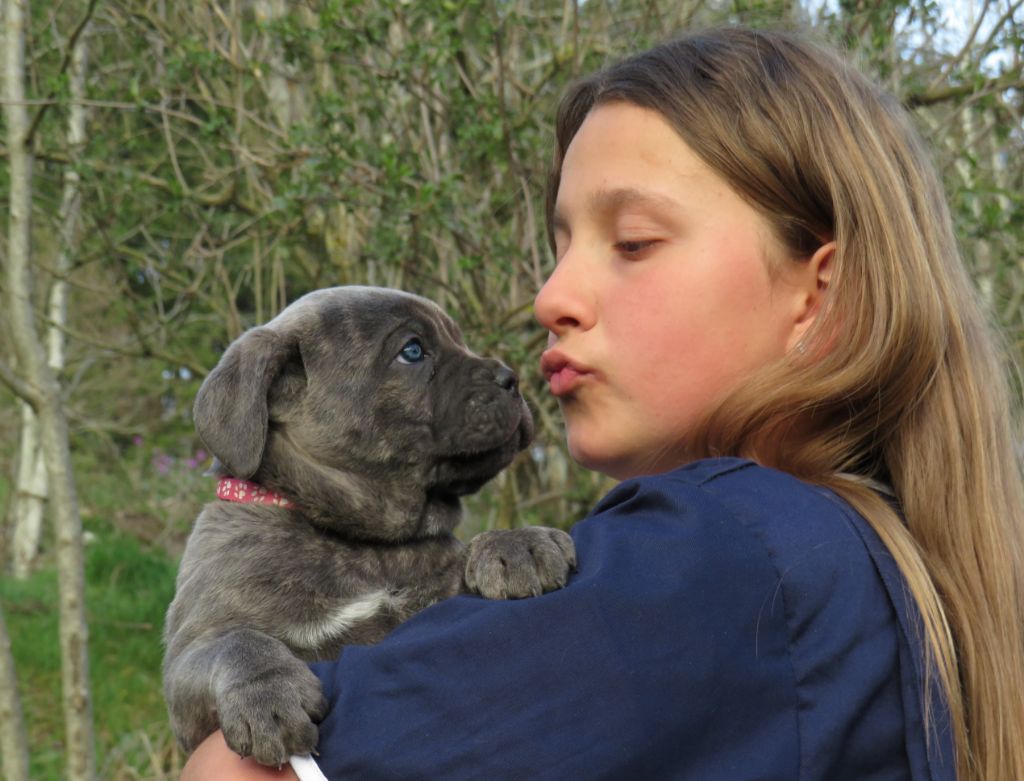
[265, 700]
[516, 563]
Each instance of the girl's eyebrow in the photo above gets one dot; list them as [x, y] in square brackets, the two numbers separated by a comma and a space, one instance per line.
[620, 197]
[613, 200]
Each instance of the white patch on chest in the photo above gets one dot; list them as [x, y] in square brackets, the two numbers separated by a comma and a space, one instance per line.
[339, 621]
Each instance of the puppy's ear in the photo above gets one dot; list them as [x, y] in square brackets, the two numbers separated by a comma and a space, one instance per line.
[231, 407]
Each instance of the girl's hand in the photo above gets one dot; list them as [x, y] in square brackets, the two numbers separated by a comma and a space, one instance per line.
[214, 761]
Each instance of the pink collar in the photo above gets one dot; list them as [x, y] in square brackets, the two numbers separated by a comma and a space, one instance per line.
[232, 489]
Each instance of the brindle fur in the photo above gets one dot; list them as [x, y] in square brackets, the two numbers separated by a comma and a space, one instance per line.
[375, 453]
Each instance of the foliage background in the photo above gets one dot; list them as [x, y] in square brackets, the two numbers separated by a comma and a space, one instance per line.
[242, 152]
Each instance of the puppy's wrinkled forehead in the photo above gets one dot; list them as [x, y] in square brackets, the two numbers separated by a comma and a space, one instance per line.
[366, 314]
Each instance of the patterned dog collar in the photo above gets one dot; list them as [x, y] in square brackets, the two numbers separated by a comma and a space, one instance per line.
[232, 489]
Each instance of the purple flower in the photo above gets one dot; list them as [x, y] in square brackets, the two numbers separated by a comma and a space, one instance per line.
[162, 463]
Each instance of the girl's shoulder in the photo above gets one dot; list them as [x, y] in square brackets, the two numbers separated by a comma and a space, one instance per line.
[738, 532]
[810, 571]
[750, 528]
[738, 501]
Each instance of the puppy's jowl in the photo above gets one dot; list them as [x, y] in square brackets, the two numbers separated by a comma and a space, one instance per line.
[351, 424]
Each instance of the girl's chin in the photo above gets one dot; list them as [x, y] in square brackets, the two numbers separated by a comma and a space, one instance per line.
[615, 465]
[621, 463]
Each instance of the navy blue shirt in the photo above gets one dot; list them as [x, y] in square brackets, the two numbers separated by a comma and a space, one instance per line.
[727, 622]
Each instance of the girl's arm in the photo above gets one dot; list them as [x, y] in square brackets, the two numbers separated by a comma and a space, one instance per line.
[214, 761]
[726, 621]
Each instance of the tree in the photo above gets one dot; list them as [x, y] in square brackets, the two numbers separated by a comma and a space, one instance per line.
[35, 383]
[31, 484]
[13, 745]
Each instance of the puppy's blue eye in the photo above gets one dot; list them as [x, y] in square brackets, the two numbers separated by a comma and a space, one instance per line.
[412, 352]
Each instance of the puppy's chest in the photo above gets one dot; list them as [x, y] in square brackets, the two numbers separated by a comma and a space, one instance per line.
[366, 595]
[366, 618]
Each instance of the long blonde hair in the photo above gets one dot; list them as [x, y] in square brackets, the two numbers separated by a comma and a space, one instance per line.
[901, 381]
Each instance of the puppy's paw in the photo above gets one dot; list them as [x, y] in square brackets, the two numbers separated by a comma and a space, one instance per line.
[272, 715]
[519, 562]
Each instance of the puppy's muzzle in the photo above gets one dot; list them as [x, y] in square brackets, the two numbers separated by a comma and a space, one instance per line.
[506, 379]
[497, 372]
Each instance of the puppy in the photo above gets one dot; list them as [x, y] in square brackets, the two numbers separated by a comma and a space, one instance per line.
[352, 424]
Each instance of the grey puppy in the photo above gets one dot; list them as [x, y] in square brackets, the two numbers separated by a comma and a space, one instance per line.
[365, 409]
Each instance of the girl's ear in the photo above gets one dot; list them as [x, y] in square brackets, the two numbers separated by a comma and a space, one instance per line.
[814, 280]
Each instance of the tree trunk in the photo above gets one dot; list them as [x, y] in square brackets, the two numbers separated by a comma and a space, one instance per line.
[13, 744]
[43, 392]
[29, 497]
[31, 489]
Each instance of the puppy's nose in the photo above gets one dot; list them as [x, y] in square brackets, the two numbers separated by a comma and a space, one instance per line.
[506, 378]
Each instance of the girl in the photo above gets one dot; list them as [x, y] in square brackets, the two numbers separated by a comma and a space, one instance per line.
[759, 321]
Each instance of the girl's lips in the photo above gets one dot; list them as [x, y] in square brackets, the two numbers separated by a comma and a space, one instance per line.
[563, 375]
[564, 381]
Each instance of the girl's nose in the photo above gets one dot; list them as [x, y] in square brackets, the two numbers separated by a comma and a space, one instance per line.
[563, 302]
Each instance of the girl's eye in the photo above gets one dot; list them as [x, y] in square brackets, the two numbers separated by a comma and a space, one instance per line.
[634, 248]
[412, 352]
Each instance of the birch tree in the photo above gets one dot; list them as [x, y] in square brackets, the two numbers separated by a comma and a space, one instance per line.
[35, 383]
[31, 483]
[13, 745]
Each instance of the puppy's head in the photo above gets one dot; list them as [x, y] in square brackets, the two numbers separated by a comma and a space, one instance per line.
[367, 393]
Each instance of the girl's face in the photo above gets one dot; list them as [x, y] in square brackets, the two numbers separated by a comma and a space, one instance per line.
[661, 301]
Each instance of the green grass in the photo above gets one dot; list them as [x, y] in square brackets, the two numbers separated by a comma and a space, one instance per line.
[128, 590]
[135, 521]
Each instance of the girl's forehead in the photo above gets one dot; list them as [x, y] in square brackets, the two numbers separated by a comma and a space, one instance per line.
[628, 158]
[635, 145]
[627, 130]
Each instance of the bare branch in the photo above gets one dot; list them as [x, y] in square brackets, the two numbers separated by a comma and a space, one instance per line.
[68, 55]
[959, 57]
[953, 92]
[19, 387]
[1007, 16]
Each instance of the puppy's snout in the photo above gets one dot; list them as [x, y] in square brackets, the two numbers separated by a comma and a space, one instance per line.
[506, 378]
